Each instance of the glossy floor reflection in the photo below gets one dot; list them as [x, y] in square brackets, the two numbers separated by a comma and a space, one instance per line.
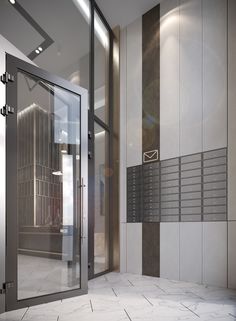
[39, 276]
[117, 297]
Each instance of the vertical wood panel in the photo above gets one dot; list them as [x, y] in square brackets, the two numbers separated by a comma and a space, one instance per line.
[151, 79]
[134, 248]
[231, 143]
[116, 150]
[191, 252]
[151, 249]
[215, 253]
[169, 79]
[123, 248]
[169, 251]
[190, 77]
[232, 110]
[123, 120]
[134, 93]
[231, 255]
[214, 74]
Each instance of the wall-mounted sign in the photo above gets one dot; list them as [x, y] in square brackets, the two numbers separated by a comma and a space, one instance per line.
[151, 156]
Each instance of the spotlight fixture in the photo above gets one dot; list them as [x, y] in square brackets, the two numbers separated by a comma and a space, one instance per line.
[37, 51]
[12, 1]
[40, 49]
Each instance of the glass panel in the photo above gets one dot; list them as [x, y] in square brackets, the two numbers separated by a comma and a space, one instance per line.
[101, 70]
[48, 165]
[102, 174]
[66, 23]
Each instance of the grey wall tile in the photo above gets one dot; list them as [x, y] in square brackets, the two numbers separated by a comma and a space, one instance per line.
[215, 201]
[170, 162]
[169, 211]
[189, 203]
[214, 217]
[191, 166]
[215, 153]
[191, 158]
[192, 173]
[191, 218]
[215, 161]
[191, 196]
[170, 218]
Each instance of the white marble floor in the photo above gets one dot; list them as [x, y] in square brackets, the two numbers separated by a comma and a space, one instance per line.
[118, 297]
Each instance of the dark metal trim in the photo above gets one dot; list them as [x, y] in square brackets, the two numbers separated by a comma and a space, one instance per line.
[111, 159]
[13, 65]
[102, 17]
[101, 123]
[91, 218]
[42, 74]
[48, 41]
[109, 129]
[102, 273]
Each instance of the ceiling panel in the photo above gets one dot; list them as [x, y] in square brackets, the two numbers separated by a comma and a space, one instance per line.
[123, 12]
[17, 30]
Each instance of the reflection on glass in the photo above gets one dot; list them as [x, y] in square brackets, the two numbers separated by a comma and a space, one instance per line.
[101, 228]
[48, 127]
[101, 70]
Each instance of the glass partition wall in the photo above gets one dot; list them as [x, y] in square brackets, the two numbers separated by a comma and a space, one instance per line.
[102, 169]
[75, 45]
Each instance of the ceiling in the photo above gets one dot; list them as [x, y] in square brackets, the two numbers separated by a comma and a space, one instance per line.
[123, 12]
[68, 28]
[63, 56]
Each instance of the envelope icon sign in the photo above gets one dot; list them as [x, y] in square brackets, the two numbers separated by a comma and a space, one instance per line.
[150, 156]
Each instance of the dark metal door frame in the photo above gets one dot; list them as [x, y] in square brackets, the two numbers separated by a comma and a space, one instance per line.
[109, 129]
[13, 65]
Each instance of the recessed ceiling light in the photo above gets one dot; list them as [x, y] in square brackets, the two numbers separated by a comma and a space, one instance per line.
[12, 1]
[37, 51]
[40, 48]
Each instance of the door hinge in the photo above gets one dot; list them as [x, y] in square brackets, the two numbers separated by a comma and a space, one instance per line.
[5, 78]
[6, 110]
[6, 286]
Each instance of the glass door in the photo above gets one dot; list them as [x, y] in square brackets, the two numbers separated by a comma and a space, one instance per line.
[46, 187]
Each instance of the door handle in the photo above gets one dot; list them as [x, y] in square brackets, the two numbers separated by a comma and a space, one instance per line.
[82, 186]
